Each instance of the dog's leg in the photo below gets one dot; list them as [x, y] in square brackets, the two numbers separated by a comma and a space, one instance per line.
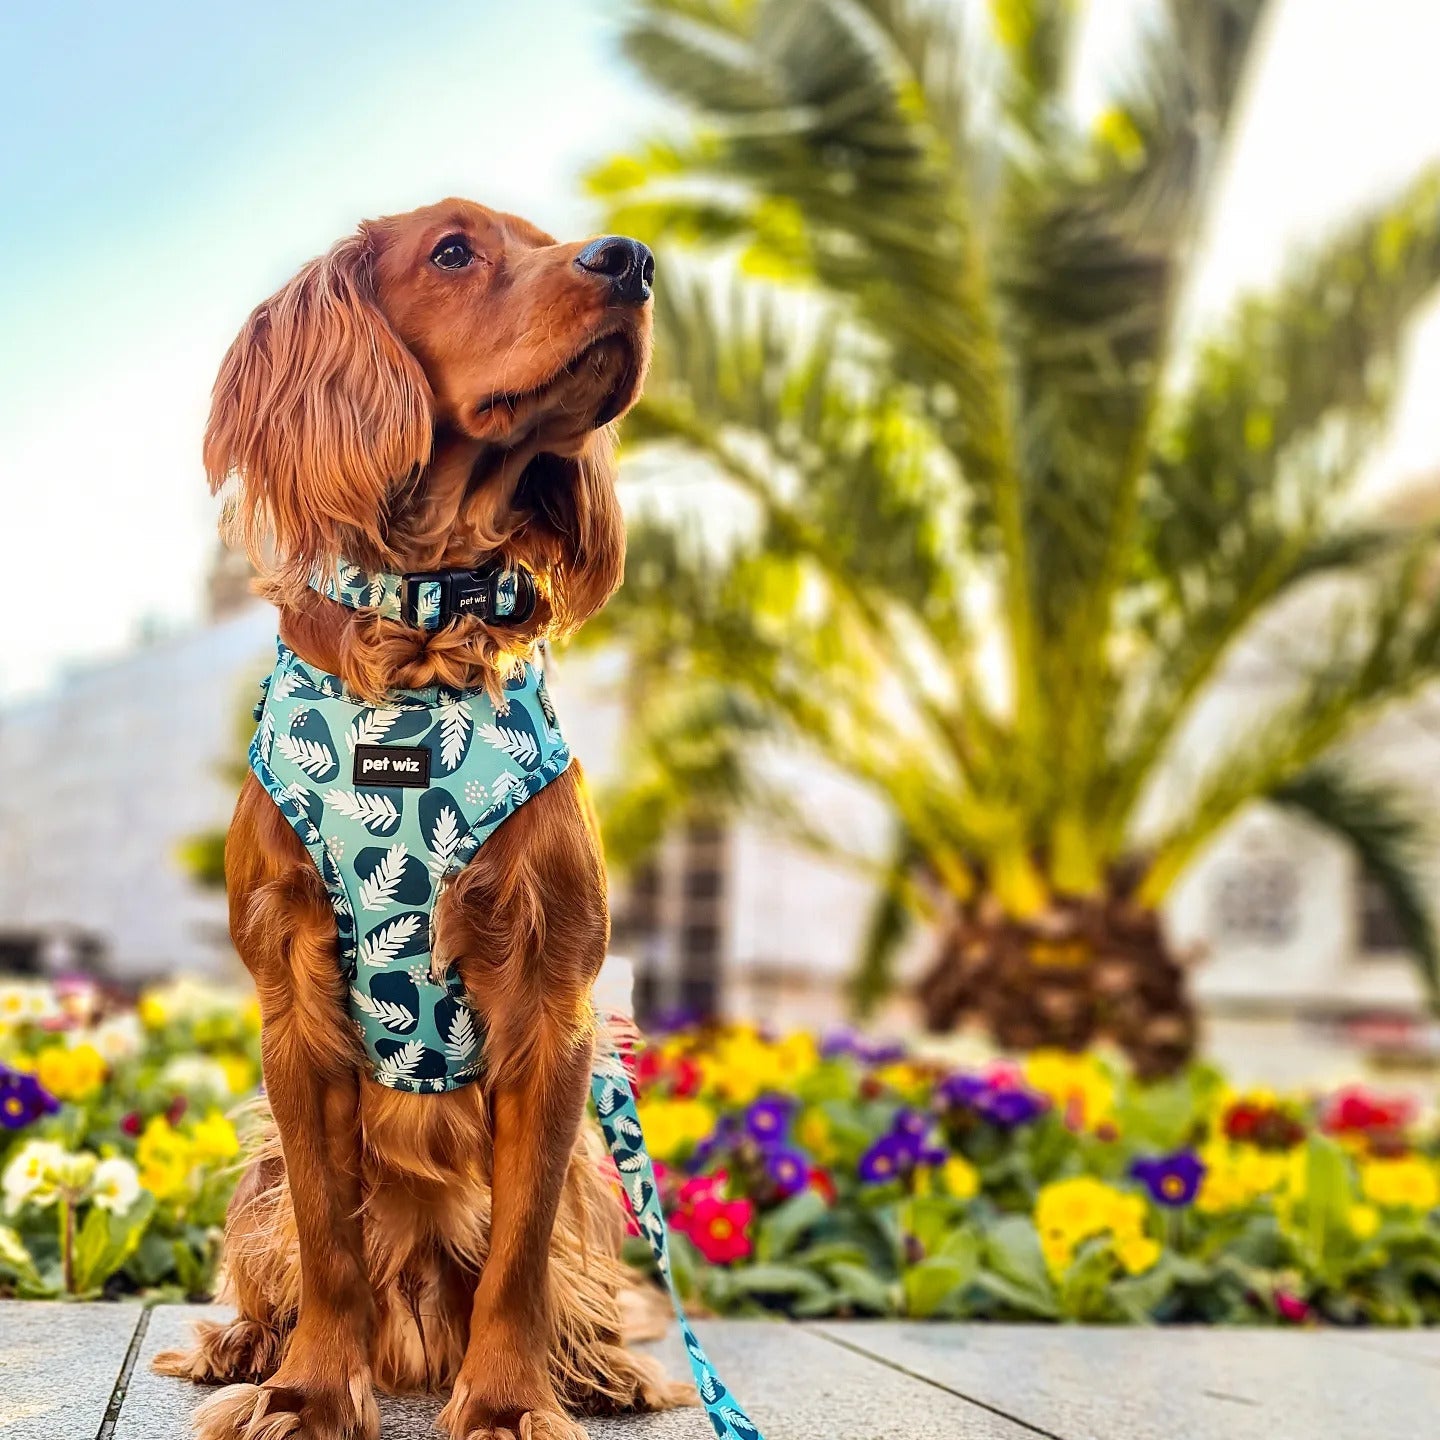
[534, 909]
[285, 931]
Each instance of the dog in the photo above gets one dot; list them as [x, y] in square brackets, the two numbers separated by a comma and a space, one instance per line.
[436, 395]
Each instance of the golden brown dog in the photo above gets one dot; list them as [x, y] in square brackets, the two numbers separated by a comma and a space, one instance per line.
[437, 391]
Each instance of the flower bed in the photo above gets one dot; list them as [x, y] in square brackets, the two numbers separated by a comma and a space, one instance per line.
[117, 1157]
[848, 1179]
[799, 1177]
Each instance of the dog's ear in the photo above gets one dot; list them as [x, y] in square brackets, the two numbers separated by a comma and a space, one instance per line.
[580, 529]
[319, 409]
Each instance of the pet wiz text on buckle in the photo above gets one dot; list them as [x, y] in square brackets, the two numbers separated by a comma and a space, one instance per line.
[491, 593]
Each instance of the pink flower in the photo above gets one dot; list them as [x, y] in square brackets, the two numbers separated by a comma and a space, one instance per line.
[1291, 1308]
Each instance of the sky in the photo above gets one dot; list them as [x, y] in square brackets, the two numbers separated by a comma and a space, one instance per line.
[169, 165]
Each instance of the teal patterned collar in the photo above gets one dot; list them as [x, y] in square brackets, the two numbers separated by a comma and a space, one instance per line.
[428, 598]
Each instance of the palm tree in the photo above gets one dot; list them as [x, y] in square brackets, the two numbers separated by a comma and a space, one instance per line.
[1001, 520]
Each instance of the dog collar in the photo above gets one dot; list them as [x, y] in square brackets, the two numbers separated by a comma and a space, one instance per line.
[429, 598]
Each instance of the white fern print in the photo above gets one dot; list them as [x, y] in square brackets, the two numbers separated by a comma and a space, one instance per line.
[507, 782]
[267, 735]
[379, 890]
[428, 605]
[517, 744]
[369, 810]
[388, 941]
[370, 729]
[387, 1012]
[376, 592]
[444, 840]
[460, 1043]
[310, 755]
[350, 574]
[455, 723]
[285, 684]
[401, 1065]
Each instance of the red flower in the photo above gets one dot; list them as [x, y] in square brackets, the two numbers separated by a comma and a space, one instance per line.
[1291, 1308]
[720, 1229]
[687, 1077]
[130, 1124]
[823, 1185]
[176, 1109]
[1355, 1110]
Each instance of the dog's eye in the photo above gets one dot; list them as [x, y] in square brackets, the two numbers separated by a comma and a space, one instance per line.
[452, 253]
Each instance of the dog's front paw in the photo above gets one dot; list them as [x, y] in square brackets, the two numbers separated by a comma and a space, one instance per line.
[470, 1415]
[274, 1411]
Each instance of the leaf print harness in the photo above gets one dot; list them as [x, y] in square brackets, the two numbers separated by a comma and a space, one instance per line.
[392, 800]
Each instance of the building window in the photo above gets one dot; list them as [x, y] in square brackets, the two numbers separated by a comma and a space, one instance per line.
[1380, 931]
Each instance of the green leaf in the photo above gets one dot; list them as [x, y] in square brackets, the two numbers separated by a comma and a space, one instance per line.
[782, 1229]
[789, 1282]
[863, 1288]
[1014, 1267]
[939, 1278]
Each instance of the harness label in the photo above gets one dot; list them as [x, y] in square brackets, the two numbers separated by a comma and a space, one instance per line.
[406, 766]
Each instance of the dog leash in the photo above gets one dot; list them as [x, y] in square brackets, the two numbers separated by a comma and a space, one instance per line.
[620, 1122]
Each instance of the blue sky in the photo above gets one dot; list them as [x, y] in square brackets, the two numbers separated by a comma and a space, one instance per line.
[168, 165]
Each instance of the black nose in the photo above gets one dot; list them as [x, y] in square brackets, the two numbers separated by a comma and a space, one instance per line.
[629, 266]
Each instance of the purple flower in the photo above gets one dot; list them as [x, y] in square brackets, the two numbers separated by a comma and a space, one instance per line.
[1172, 1180]
[961, 1091]
[889, 1157]
[909, 1121]
[1010, 1108]
[788, 1168]
[768, 1118]
[22, 1099]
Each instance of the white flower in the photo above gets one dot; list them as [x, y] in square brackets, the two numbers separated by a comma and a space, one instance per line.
[27, 1002]
[118, 1038]
[33, 1176]
[116, 1185]
[197, 1076]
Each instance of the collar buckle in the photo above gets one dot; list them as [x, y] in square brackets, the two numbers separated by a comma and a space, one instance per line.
[428, 598]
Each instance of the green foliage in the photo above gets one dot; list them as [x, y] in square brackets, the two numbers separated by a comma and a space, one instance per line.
[922, 325]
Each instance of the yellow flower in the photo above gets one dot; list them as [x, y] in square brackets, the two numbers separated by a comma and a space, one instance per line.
[164, 1157]
[154, 1010]
[1364, 1221]
[214, 1138]
[1078, 1086]
[71, 1072]
[960, 1178]
[674, 1127]
[908, 1080]
[742, 1066]
[1069, 1212]
[813, 1132]
[1236, 1175]
[1136, 1253]
[1405, 1183]
[239, 1071]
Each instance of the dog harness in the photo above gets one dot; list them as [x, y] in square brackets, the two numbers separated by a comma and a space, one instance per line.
[391, 801]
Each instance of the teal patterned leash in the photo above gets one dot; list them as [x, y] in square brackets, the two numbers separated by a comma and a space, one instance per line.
[615, 1105]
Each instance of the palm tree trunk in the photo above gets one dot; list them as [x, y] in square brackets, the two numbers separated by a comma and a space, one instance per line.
[1086, 970]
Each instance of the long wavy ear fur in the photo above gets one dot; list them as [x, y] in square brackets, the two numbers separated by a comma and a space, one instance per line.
[577, 531]
[319, 409]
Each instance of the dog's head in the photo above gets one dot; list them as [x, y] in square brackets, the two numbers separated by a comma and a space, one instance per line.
[435, 391]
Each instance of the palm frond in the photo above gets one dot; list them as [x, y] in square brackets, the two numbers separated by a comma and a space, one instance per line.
[891, 921]
[1389, 837]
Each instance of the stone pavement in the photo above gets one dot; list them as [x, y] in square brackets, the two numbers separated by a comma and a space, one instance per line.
[81, 1372]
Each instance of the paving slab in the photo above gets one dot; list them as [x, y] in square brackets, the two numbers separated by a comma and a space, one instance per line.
[796, 1385]
[58, 1367]
[1164, 1384]
[1422, 1347]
